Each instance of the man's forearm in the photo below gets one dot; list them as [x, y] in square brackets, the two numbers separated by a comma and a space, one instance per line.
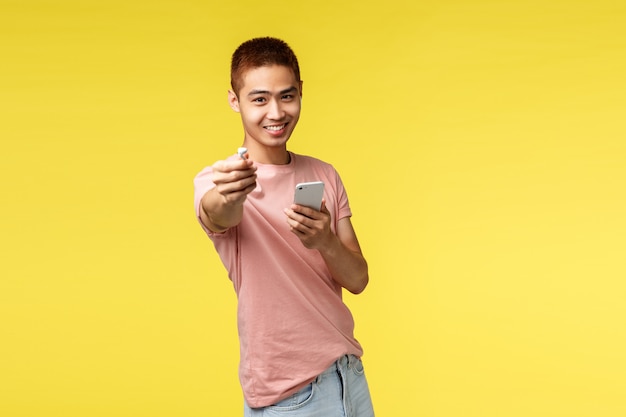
[348, 268]
[217, 214]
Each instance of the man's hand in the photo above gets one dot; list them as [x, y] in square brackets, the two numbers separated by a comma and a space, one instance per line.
[311, 226]
[234, 180]
[341, 251]
[222, 206]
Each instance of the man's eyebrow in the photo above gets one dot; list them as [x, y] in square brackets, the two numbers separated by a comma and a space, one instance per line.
[291, 89]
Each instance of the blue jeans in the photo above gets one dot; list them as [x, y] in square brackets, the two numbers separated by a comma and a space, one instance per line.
[340, 391]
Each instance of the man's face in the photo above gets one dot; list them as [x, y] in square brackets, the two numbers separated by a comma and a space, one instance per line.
[269, 104]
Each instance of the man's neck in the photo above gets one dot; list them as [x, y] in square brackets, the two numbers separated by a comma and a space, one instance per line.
[270, 156]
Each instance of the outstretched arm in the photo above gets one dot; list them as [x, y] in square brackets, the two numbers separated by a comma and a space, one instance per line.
[222, 206]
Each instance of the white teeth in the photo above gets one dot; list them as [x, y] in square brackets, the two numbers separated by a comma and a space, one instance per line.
[275, 127]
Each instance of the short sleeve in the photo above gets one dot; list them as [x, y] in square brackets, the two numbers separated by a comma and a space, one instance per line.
[202, 183]
[343, 205]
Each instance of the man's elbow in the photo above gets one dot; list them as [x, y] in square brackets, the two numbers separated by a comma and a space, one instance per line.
[359, 286]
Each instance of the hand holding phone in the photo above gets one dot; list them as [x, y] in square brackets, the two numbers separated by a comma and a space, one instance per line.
[309, 194]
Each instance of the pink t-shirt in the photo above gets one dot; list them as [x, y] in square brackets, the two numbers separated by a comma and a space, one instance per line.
[291, 318]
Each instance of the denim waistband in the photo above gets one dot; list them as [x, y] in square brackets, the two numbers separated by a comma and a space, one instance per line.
[345, 361]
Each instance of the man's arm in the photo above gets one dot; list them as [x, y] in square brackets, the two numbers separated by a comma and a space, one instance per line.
[345, 260]
[340, 251]
[222, 206]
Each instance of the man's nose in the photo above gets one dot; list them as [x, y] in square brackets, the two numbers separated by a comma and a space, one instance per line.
[275, 111]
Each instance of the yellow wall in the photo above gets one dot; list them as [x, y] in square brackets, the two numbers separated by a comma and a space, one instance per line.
[482, 144]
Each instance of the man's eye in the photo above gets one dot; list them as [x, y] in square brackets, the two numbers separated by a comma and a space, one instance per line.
[287, 97]
[258, 100]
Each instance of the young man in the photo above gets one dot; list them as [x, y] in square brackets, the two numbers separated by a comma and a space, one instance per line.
[288, 263]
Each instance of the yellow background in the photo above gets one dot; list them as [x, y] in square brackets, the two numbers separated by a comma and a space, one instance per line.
[482, 144]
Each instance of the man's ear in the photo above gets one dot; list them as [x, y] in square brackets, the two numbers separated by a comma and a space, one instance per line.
[301, 82]
[233, 101]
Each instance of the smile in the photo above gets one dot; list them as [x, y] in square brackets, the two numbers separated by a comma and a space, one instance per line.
[275, 128]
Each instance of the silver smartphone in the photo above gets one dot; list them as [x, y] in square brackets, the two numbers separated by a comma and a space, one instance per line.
[309, 194]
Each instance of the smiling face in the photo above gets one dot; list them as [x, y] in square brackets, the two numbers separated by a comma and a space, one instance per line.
[269, 103]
